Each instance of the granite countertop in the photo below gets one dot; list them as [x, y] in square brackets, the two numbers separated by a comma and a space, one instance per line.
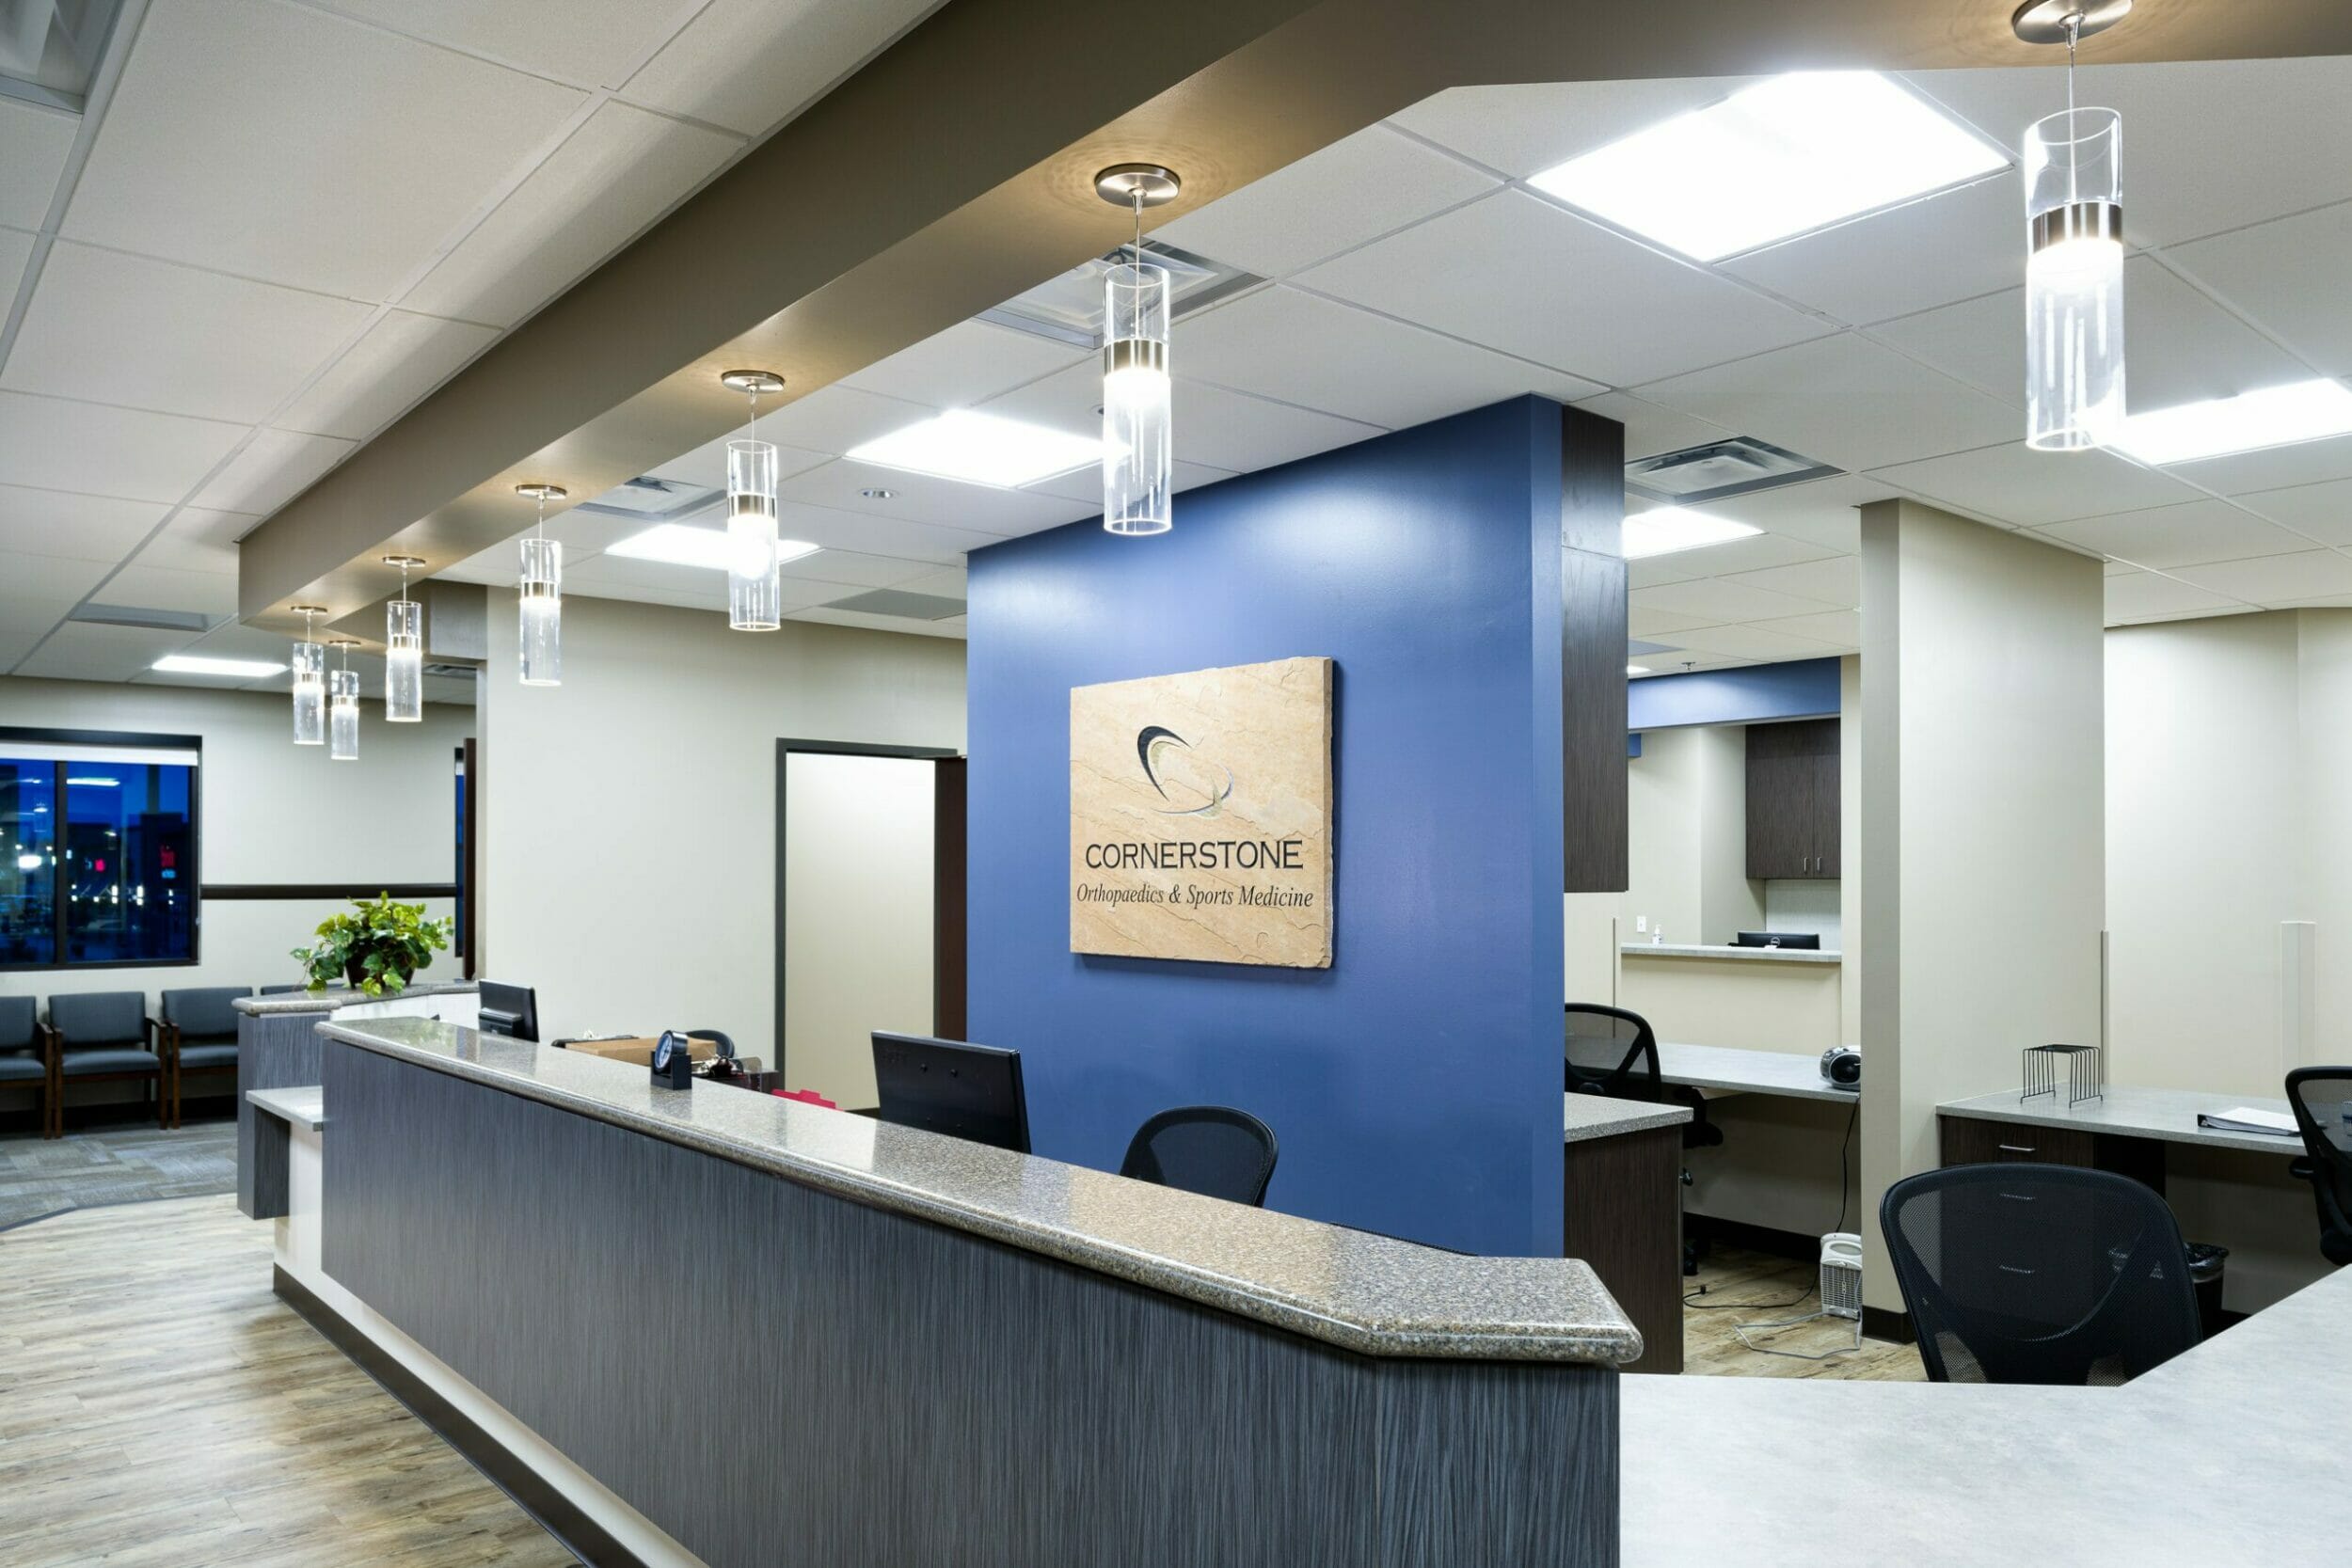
[1372, 1294]
[1593, 1115]
[1742, 954]
[2169, 1115]
[328, 1001]
[303, 1106]
[1740, 1069]
[2228, 1454]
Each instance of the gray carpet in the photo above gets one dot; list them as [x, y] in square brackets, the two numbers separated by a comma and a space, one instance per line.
[118, 1164]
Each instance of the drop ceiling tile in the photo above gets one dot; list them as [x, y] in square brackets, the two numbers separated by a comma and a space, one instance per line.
[1352, 191]
[859, 570]
[707, 465]
[1651, 430]
[2217, 143]
[1572, 295]
[1819, 512]
[750, 65]
[109, 327]
[1759, 643]
[1086, 485]
[78, 651]
[1318, 354]
[2273, 468]
[16, 248]
[278, 466]
[1525, 129]
[951, 627]
[2146, 597]
[163, 588]
[1653, 623]
[50, 577]
[969, 363]
[1754, 553]
[86, 528]
[23, 622]
[2189, 534]
[1717, 602]
[1949, 246]
[1218, 432]
[1659, 570]
[1840, 627]
[614, 175]
[1843, 400]
[923, 498]
[53, 444]
[2179, 345]
[284, 144]
[589, 42]
[37, 140]
[2288, 276]
[872, 534]
[953, 583]
[2024, 488]
[2321, 511]
[397, 361]
[2274, 578]
[198, 541]
[1832, 580]
[834, 419]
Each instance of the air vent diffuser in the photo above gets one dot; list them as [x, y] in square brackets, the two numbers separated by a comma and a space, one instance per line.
[146, 620]
[1737, 466]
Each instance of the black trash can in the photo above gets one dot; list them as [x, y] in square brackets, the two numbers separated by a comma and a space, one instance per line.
[2205, 1272]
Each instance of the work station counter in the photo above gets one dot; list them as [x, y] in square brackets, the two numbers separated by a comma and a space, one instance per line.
[724, 1328]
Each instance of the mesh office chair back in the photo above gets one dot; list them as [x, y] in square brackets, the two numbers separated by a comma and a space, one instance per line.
[1215, 1151]
[1611, 1051]
[2039, 1274]
[2322, 1101]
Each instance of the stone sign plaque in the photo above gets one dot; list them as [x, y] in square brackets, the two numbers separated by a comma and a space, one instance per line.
[1200, 815]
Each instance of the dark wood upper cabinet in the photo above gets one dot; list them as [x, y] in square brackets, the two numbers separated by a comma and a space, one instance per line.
[1793, 826]
[1592, 652]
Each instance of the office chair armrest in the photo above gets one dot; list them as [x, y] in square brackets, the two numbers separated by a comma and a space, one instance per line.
[52, 1046]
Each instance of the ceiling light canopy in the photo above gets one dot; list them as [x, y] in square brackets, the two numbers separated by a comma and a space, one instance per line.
[981, 449]
[684, 545]
[1781, 158]
[2272, 416]
[191, 664]
[1667, 529]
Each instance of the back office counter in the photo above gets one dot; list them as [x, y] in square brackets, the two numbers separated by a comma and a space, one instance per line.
[750, 1330]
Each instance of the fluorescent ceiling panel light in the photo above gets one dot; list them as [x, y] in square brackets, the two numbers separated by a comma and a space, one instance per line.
[1668, 528]
[684, 545]
[1637, 669]
[2273, 417]
[981, 448]
[189, 664]
[97, 784]
[1789, 155]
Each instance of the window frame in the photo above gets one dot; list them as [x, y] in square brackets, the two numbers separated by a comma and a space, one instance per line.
[128, 740]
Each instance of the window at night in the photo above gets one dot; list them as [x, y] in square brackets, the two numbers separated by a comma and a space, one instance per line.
[100, 859]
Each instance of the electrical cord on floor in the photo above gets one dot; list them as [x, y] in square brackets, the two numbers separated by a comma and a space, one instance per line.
[1844, 1166]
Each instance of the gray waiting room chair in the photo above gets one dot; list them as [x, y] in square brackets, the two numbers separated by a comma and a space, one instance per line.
[199, 1034]
[104, 1036]
[26, 1059]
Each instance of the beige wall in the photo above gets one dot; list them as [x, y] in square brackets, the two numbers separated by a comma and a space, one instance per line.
[1756, 1003]
[629, 827]
[1984, 810]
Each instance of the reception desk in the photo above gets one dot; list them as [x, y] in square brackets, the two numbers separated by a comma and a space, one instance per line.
[728, 1328]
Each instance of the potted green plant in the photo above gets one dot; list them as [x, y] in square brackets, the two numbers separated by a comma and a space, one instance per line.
[378, 949]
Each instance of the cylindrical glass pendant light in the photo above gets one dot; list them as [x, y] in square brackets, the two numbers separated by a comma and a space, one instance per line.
[404, 640]
[342, 712]
[1138, 425]
[755, 585]
[541, 596]
[309, 683]
[2075, 253]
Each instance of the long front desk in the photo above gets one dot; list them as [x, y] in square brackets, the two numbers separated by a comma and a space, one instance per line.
[760, 1331]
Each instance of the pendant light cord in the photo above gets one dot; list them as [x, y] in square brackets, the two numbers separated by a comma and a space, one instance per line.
[2074, 130]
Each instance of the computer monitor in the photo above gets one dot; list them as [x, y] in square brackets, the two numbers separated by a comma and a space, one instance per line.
[966, 1091]
[1811, 941]
[510, 1010]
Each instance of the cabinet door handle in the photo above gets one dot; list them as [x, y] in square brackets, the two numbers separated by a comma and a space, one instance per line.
[2016, 1148]
[2012, 1268]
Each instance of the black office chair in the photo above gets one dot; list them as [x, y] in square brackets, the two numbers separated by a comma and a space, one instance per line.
[26, 1060]
[104, 1034]
[2322, 1101]
[2039, 1274]
[1215, 1151]
[199, 1034]
[1615, 1052]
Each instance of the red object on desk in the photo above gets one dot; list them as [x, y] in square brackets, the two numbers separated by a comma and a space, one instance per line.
[807, 1096]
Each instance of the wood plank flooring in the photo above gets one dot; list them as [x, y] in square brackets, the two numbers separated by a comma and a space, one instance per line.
[161, 1408]
[1710, 1349]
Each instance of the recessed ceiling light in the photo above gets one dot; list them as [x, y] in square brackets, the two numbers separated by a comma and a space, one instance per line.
[981, 449]
[2273, 417]
[1795, 153]
[875, 493]
[1665, 529]
[189, 664]
[1637, 669]
[684, 545]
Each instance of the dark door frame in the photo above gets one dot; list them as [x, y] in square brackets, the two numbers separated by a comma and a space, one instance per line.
[943, 920]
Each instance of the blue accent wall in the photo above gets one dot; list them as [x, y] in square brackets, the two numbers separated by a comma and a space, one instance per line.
[1415, 1084]
[1752, 694]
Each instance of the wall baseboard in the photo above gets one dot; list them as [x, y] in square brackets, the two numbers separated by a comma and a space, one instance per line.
[556, 1513]
[1885, 1322]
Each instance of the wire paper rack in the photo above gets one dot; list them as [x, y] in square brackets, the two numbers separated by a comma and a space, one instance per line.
[2085, 1073]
